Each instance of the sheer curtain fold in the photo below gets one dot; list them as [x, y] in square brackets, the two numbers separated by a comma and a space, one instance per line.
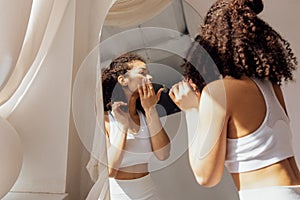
[14, 17]
[125, 13]
[97, 165]
[44, 21]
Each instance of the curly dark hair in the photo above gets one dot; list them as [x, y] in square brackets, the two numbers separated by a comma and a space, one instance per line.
[199, 67]
[112, 90]
[240, 43]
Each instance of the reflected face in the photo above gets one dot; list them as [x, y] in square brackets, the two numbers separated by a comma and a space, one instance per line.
[135, 76]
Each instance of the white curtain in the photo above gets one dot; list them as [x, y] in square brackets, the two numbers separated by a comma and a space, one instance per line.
[90, 16]
[125, 13]
[12, 34]
[30, 35]
[28, 29]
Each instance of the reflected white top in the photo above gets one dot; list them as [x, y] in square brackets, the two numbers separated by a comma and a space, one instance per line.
[138, 145]
[270, 143]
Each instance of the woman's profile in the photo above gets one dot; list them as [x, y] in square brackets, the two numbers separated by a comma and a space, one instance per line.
[133, 128]
[243, 122]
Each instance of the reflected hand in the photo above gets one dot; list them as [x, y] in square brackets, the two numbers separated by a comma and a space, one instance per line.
[121, 116]
[147, 95]
[183, 96]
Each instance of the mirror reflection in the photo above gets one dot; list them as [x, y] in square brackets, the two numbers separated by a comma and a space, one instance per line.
[147, 153]
[133, 127]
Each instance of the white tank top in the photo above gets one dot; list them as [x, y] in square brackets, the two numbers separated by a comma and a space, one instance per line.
[270, 143]
[138, 145]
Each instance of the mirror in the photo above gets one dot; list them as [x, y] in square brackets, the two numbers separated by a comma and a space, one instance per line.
[161, 37]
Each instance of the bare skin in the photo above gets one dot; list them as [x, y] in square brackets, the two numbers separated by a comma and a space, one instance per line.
[242, 114]
[134, 85]
[246, 114]
[131, 172]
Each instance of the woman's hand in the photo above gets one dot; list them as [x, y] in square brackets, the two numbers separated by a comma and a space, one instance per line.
[183, 96]
[160, 141]
[147, 95]
[121, 116]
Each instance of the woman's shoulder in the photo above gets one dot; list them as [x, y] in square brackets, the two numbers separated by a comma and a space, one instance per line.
[217, 86]
[106, 122]
[215, 91]
[229, 84]
[106, 116]
[227, 88]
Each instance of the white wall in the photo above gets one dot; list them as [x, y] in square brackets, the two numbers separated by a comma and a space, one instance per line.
[42, 117]
[176, 181]
[284, 17]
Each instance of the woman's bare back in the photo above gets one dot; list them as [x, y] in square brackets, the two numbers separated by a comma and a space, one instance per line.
[247, 109]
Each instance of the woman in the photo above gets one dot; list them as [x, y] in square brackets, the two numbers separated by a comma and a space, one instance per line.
[133, 127]
[242, 118]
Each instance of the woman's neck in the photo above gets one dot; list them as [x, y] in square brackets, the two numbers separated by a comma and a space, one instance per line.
[135, 120]
[131, 100]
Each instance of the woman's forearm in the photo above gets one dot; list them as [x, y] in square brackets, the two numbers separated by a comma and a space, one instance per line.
[159, 138]
[116, 150]
[207, 145]
[192, 116]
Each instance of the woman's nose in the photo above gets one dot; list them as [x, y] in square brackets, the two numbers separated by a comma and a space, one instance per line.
[149, 77]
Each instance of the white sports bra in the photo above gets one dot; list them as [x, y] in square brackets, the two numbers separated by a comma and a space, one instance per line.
[270, 143]
[138, 145]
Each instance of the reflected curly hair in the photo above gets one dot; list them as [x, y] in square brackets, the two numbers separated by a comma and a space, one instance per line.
[112, 90]
[240, 44]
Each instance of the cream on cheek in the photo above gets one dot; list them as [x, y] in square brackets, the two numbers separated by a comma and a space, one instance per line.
[136, 74]
[134, 81]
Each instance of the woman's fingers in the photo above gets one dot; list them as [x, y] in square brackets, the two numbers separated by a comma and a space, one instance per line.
[176, 91]
[183, 96]
[173, 93]
[179, 90]
[141, 91]
[151, 91]
[116, 106]
[146, 89]
[159, 92]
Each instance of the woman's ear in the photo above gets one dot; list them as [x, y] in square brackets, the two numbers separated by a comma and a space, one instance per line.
[122, 80]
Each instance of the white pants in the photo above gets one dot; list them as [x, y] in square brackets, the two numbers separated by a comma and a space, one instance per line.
[138, 189]
[272, 193]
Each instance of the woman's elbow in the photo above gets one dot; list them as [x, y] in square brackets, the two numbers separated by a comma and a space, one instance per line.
[163, 154]
[205, 182]
[112, 172]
